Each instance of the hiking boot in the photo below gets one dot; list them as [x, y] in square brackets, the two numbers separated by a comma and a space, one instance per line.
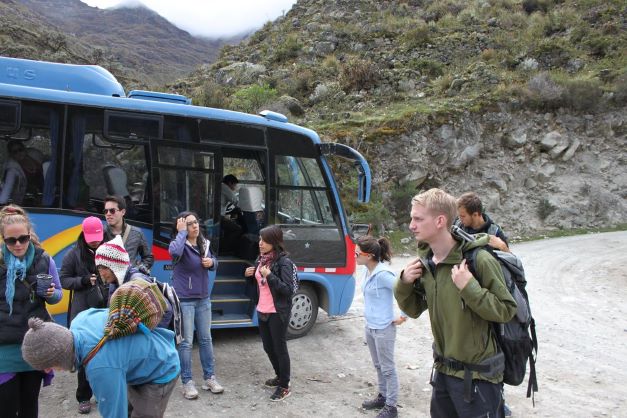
[280, 394]
[376, 403]
[213, 385]
[388, 412]
[189, 390]
[272, 383]
[84, 407]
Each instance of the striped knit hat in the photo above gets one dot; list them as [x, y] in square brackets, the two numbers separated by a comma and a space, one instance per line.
[112, 254]
[136, 305]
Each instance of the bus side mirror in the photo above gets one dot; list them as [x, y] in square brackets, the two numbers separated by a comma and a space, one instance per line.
[359, 230]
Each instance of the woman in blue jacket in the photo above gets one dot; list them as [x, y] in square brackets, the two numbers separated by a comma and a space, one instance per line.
[378, 290]
[192, 261]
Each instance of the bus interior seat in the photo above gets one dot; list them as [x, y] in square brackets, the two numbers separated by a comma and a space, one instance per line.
[115, 182]
[251, 204]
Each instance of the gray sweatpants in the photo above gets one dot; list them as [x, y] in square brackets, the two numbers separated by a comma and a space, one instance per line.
[381, 345]
[150, 399]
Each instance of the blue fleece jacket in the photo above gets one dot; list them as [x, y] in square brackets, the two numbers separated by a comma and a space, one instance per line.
[132, 360]
[378, 291]
[189, 278]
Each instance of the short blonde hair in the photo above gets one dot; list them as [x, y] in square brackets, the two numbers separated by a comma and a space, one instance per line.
[438, 202]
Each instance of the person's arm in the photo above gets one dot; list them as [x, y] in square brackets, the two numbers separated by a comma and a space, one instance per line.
[7, 187]
[490, 300]
[410, 297]
[282, 284]
[58, 293]
[177, 245]
[145, 252]
[109, 387]
[69, 278]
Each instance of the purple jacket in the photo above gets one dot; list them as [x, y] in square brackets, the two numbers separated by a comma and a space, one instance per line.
[189, 278]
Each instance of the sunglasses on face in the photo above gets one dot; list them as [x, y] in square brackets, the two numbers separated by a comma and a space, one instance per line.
[358, 253]
[22, 239]
[110, 210]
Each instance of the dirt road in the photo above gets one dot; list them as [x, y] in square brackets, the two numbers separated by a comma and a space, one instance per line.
[578, 289]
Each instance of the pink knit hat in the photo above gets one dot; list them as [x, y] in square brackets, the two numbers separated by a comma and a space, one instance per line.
[112, 254]
[92, 229]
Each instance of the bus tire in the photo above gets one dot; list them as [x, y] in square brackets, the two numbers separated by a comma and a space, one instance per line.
[304, 312]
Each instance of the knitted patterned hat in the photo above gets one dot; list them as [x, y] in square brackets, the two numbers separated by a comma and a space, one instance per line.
[48, 345]
[136, 305]
[112, 254]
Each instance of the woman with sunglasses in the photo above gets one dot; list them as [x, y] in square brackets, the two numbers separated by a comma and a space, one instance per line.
[22, 295]
[192, 260]
[378, 291]
[273, 273]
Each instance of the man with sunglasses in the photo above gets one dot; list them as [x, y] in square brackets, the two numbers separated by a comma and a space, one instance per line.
[134, 240]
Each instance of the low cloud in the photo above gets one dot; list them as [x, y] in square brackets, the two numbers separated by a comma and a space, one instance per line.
[213, 19]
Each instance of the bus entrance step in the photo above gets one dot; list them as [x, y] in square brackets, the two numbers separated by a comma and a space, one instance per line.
[229, 298]
[230, 318]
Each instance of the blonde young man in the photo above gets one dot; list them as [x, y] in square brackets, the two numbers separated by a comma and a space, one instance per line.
[468, 371]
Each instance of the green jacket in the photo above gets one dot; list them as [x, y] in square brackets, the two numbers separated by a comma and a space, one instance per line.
[460, 320]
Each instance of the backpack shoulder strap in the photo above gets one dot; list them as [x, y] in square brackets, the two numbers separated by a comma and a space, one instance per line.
[127, 232]
[471, 261]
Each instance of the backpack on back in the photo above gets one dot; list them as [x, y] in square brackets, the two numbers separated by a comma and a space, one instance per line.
[516, 338]
[172, 301]
[137, 305]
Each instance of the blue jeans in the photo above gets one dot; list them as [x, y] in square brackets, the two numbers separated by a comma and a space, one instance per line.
[196, 313]
[381, 345]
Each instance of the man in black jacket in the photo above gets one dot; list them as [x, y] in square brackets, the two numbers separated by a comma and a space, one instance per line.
[473, 219]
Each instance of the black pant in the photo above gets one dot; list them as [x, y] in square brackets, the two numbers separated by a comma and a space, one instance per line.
[20, 395]
[83, 391]
[447, 398]
[274, 337]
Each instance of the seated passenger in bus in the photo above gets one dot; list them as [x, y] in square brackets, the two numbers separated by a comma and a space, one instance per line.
[14, 180]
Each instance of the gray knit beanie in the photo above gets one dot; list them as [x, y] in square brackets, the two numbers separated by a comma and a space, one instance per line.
[48, 345]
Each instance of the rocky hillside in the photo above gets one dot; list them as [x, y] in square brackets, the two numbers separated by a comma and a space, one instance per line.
[134, 43]
[522, 101]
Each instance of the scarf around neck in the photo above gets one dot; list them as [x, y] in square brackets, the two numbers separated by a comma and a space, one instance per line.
[267, 259]
[16, 269]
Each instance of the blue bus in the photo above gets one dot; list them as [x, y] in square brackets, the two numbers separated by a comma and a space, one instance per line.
[165, 155]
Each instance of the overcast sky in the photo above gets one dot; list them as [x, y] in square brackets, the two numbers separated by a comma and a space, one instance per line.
[211, 18]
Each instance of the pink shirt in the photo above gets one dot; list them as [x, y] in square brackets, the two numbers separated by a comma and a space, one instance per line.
[266, 303]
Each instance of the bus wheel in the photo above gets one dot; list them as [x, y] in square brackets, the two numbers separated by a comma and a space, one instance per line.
[304, 312]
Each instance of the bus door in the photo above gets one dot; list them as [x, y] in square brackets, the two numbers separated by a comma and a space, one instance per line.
[184, 178]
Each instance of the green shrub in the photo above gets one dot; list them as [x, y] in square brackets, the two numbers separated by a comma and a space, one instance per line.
[211, 94]
[581, 94]
[418, 36]
[287, 50]
[358, 74]
[428, 67]
[545, 208]
[251, 99]
[543, 92]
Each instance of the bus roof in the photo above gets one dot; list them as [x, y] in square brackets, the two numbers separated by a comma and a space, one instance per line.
[93, 86]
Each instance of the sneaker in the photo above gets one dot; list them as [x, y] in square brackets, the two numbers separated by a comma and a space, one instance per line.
[376, 403]
[280, 394]
[388, 412]
[84, 407]
[506, 410]
[189, 390]
[212, 385]
[272, 383]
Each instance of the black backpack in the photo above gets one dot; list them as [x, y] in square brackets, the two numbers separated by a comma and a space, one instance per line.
[516, 338]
